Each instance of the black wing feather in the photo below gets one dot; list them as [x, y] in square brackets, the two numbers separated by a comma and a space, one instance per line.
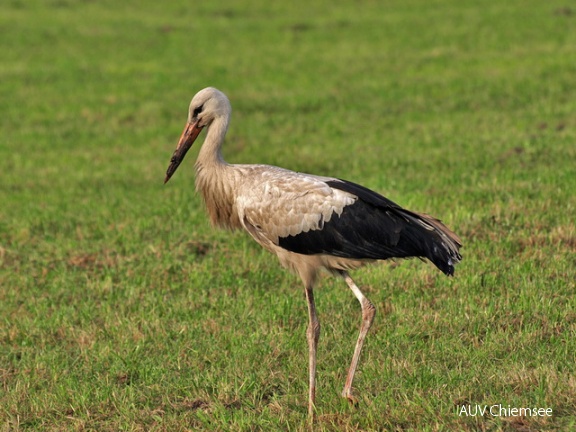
[375, 227]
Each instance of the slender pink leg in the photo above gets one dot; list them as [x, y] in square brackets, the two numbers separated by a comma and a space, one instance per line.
[312, 334]
[368, 313]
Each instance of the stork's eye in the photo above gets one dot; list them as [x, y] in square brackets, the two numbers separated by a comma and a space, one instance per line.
[197, 111]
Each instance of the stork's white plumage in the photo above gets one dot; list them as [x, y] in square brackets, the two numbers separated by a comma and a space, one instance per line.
[309, 222]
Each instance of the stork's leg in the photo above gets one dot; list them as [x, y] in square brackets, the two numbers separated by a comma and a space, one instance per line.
[368, 312]
[312, 334]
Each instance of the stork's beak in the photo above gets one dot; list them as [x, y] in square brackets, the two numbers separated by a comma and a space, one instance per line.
[188, 137]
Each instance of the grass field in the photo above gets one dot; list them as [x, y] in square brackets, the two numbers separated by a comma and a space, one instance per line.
[121, 309]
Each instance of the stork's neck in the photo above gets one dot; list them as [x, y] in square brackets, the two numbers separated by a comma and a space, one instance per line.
[215, 178]
[210, 155]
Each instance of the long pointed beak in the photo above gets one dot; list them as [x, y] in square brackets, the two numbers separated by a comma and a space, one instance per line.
[188, 137]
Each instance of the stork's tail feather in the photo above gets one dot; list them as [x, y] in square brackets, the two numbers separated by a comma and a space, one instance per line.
[435, 241]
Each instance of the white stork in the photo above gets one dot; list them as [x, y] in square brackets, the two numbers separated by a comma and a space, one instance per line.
[309, 222]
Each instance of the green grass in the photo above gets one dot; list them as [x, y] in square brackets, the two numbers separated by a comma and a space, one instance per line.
[122, 309]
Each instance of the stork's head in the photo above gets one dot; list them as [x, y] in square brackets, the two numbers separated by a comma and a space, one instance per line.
[207, 105]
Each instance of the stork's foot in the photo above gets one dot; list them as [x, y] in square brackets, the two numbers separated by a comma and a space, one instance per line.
[350, 397]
